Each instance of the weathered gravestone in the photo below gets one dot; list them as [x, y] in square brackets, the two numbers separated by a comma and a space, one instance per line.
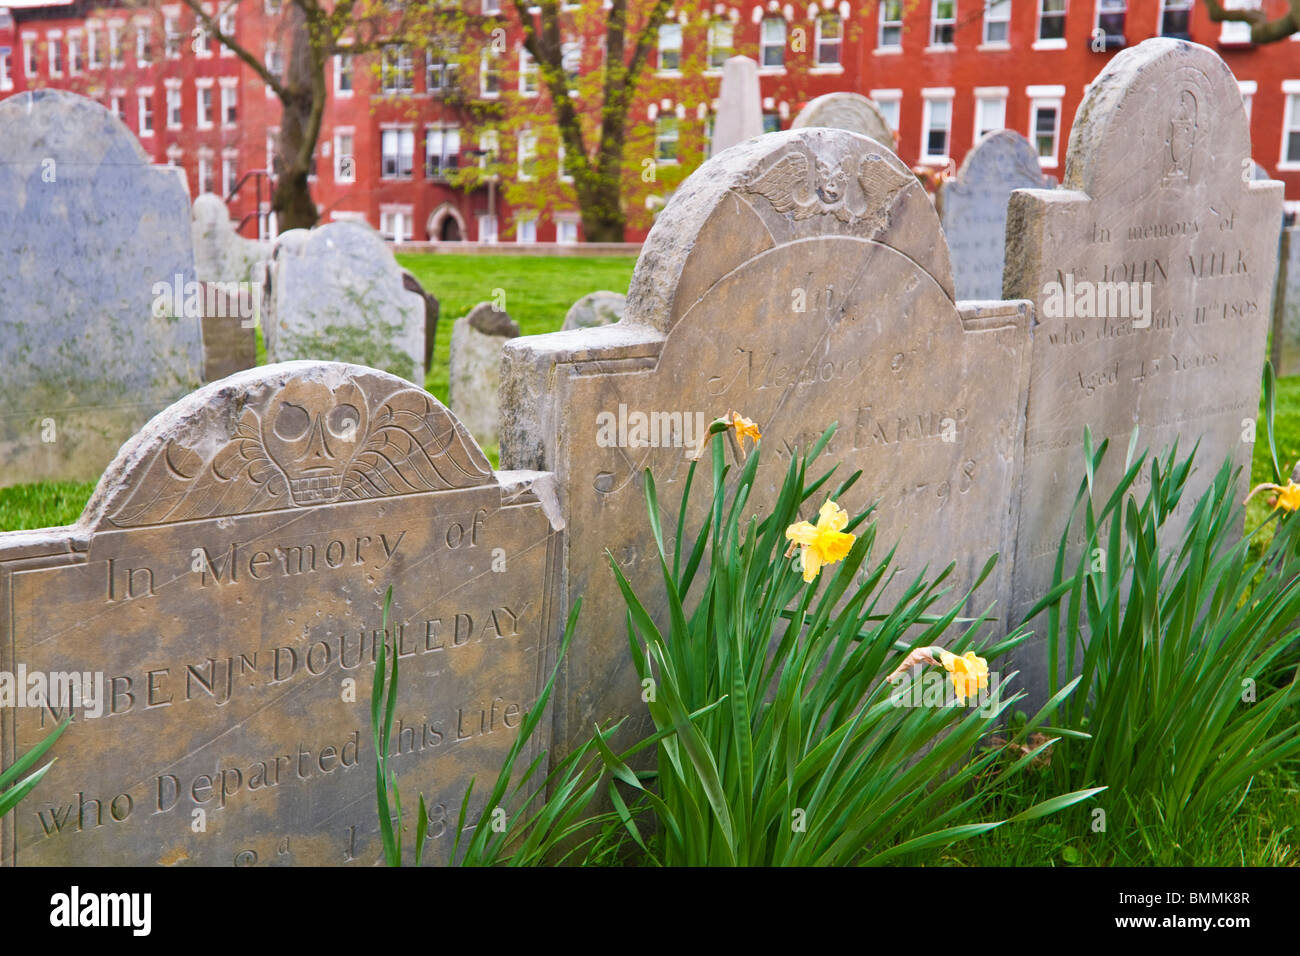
[227, 583]
[1286, 306]
[595, 308]
[229, 327]
[973, 209]
[1152, 269]
[89, 233]
[801, 279]
[851, 111]
[432, 308]
[477, 339]
[220, 253]
[740, 105]
[337, 294]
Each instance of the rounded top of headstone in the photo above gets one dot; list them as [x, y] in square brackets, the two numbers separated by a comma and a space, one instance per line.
[1165, 114]
[779, 189]
[489, 320]
[285, 436]
[69, 129]
[1003, 156]
[290, 243]
[851, 111]
[595, 309]
[209, 208]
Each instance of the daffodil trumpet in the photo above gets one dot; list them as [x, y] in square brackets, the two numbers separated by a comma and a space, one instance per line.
[823, 543]
[969, 672]
[1288, 495]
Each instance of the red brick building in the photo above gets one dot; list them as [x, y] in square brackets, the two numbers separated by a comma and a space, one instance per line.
[944, 71]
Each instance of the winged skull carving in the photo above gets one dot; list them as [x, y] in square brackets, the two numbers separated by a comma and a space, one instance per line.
[849, 191]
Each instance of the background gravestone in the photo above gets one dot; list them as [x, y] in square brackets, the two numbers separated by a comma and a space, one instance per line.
[851, 111]
[87, 229]
[1154, 192]
[740, 105]
[220, 253]
[595, 308]
[228, 580]
[1286, 306]
[973, 209]
[432, 308]
[230, 267]
[337, 294]
[477, 339]
[762, 290]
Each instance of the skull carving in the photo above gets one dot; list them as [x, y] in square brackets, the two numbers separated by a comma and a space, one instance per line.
[313, 432]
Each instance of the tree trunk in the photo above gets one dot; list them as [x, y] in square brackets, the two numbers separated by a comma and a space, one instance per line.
[291, 200]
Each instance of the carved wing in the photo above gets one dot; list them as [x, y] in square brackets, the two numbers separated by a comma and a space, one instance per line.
[787, 185]
[880, 184]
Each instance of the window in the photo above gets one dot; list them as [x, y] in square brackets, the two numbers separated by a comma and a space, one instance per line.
[272, 135]
[345, 166]
[721, 33]
[204, 99]
[1045, 121]
[489, 75]
[830, 35]
[229, 172]
[771, 122]
[937, 123]
[487, 228]
[173, 107]
[997, 22]
[527, 73]
[527, 154]
[891, 23]
[526, 229]
[274, 62]
[94, 48]
[566, 231]
[171, 37]
[1110, 22]
[397, 70]
[343, 74]
[398, 153]
[670, 47]
[56, 57]
[205, 171]
[144, 99]
[6, 68]
[1051, 21]
[1247, 88]
[396, 223]
[1237, 34]
[943, 22]
[30, 66]
[489, 147]
[990, 111]
[143, 44]
[226, 24]
[772, 43]
[666, 134]
[1291, 125]
[442, 151]
[571, 63]
[440, 75]
[76, 55]
[491, 6]
[888, 101]
[229, 104]
[1174, 16]
[116, 105]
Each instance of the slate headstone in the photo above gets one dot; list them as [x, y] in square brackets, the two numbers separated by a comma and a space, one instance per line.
[431, 309]
[477, 339]
[740, 105]
[1286, 306]
[94, 252]
[851, 111]
[227, 582]
[595, 308]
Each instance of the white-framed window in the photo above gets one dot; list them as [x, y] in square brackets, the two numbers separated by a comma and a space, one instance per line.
[571, 64]
[997, 23]
[55, 51]
[171, 36]
[489, 148]
[95, 47]
[205, 171]
[772, 43]
[274, 62]
[487, 228]
[441, 151]
[891, 25]
[527, 73]
[203, 100]
[722, 34]
[342, 74]
[272, 135]
[76, 54]
[143, 44]
[1045, 122]
[439, 71]
[1236, 33]
[1111, 17]
[526, 153]
[943, 22]
[229, 171]
[990, 110]
[667, 132]
[30, 67]
[888, 101]
[936, 126]
[566, 230]
[489, 75]
[173, 104]
[174, 154]
[1175, 18]
[491, 6]
[345, 160]
[397, 223]
[526, 229]
[397, 153]
[6, 68]
[1247, 89]
[116, 59]
[229, 101]
[226, 24]
[1051, 24]
[117, 104]
[670, 47]
[144, 100]
[397, 70]
[1291, 126]
[829, 39]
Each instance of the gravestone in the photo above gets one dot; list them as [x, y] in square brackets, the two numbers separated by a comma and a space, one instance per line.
[595, 308]
[1155, 203]
[1286, 306]
[432, 307]
[92, 238]
[220, 253]
[227, 582]
[851, 111]
[740, 105]
[973, 209]
[337, 294]
[801, 279]
[230, 312]
[477, 339]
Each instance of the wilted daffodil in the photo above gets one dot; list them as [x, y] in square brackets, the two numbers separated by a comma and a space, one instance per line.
[1288, 496]
[744, 429]
[823, 543]
[969, 672]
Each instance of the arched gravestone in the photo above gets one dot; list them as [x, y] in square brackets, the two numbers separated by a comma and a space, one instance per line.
[89, 234]
[227, 579]
[851, 111]
[799, 279]
[973, 209]
[1157, 189]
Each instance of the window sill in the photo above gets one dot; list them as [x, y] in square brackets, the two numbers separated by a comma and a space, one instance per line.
[771, 71]
[940, 48]
[1289, 166]
[1049, 44]
[935, 160]
[827, 69]
[1047, 162]
[887, 51]
[993, 47]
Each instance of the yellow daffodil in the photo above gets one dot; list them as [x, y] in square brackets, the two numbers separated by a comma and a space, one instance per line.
[823, 543]
[970, 673]
[744, 429]
[1288, 496]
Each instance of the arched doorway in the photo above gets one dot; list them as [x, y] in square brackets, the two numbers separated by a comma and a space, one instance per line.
[446, 224]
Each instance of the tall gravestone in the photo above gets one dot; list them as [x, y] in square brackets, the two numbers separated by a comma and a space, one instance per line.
[973, 209]
[477, 339]
[336, 293]
[851, 111]
[1154, 194]
[227, 581]
[89, 234]
[740, 105]
[800, 280]
[1286, 306]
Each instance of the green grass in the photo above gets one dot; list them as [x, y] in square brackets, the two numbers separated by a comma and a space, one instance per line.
[44, 505]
